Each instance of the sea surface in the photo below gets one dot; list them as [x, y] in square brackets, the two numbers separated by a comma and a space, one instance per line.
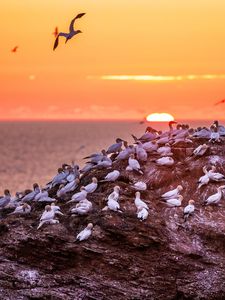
[32, 151]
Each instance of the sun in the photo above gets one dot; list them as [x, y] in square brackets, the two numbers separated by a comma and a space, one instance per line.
[159, 117]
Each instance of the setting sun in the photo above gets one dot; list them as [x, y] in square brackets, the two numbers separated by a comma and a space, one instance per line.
[159, 117]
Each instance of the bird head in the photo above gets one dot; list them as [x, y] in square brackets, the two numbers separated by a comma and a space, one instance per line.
[94, 180]
[90, 226]
[191, 202]
[79, 31]
[7, 192]
[180, 188]
[48, 208]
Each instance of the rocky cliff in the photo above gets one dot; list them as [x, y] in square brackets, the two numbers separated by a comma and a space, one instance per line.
[125, 258]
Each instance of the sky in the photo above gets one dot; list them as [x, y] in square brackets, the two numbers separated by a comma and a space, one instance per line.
[132, 58]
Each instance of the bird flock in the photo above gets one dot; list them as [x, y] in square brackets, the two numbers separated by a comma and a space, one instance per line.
[68, 184]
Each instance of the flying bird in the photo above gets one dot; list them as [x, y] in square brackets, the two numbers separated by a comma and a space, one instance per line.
[71, 33]
[220, 102]
[56, 32]
[14, 49]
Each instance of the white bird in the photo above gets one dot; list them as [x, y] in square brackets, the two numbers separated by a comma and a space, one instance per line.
[138, 202]
[140, 186]
[150, 146]
[112, 204]
[82, 208]
[173, 193]
[174, 202]
[133, 164]
[141, 152]
[5, 200]
[111, 176]
[165, 150]
[22, 209]
[115, 194]
[165, 161]
[215, 198]
[69, 187]
[54, 207]
[189, 209]
[86, 233]
[215, 176]
[124, 154]
[200, 150]
[203, 180]
[91, 187]
[71, 33]
[30, 196]
[79, 196]
[115, 148]
[48, 216]
[142, 213]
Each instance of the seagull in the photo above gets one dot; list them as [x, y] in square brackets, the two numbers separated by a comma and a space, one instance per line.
[14, 50]
[189, 209]
[173, 193]
[215, 198]
[71, 33]
[56, 32]
[85, 234]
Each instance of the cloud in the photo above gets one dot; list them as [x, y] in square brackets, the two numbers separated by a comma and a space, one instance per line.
[159, 78]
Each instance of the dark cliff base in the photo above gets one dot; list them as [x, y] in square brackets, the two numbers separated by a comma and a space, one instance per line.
[160, 258]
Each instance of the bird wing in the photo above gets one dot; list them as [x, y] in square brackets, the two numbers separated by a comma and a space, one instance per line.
[57, 39]
[72, 22]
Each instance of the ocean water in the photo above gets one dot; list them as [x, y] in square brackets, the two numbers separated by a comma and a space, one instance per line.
[32, 151]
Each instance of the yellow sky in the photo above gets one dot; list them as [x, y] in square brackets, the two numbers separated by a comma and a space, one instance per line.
[161, 39]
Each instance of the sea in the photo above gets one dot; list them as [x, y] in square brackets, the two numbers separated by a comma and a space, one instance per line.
[33, 151]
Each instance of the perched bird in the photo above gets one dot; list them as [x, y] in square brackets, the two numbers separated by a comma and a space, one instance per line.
[150, 147]
[174, 202]
[141, 152]
[87, 168]
[189, 209]
[133, 164]
[140, 186]
[125, 153]
[31, 196]
[69, 187]
[48, 216]
[96, 157]
[173, 193]
[215, 198]
[138, 202]
[200, 150]
[71, 33]
[165, 150]
[165, 161]
[22, 209]
[215, 135]
[14, 50]
[59, 178]
[142, 213]
[115, 194]
[86, 233]
[203, 180]
[111, 176]
[91, 187]
[215, 176]
[112, 204]
[77, 197]
[56, 32]
[82, 208]
[5, 200]
[115, 148]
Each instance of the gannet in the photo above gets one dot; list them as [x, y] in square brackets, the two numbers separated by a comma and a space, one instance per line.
[174, 202]
[215, 176]
[124, 154]
[215, 198]
[111, 176]
[142, 213]
[203, 180]
[69, 187]
[4, 201]
[86, 233]
[76, 169]
[141, 152]
[112, 204]
[96, 157]
[71, 33]
[30, 196]
[200, 150]
[165, 161]
[48, 216]
[149, 135]
[115, 148]
[59, 178]
[79, 196]
[22, 209]
[133, 164]
[138, 202]
[165, 150]
[215, 135]
[91, 187]
[115, 194]
[140, 186]
[106, 162]
[150, 146]
[54, 207]
[43, 196]
[189, 209]
[82, 208]
[202, 133]
[173, 193]
[87, 168]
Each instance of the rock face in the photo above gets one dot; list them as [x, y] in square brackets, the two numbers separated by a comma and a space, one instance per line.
[160, 258]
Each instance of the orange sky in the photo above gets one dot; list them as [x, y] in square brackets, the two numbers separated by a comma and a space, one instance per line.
[137, 37]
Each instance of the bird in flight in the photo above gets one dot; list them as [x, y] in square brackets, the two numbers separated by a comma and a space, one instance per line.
[14, 49]
[220, 102]
[56, 32]
[71, 33]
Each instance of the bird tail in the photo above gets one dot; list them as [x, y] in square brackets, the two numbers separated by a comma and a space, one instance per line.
[134, 137]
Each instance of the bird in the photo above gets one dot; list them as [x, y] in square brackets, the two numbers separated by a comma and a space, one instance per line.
[31, 196]
[56, 32]
[48, 216]
[164, 150]
[115, 148]
[203, 180]
[115, 194]
[77, 197]
[91, 187]
[215, 176]
[82, 208]
[165, 161]
[215, 198]
[4, 201]
[69, 187]
[113, 205]
[14, 50]
[174, 202]
[71, 33]
[142, 213]
[85, 233]
[138, 202]
[139, 186]
[220, 102]
[133, 164]
[189, 209]
[200, 150]
[173, 193]
[141, 152]
[111, 176]
[22, 209]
